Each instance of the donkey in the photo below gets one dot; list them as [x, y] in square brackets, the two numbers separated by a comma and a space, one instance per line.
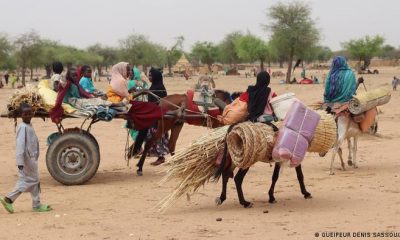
[227, 172]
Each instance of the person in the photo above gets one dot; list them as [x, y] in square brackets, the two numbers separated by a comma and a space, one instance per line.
[118, 89]
[395, 82]
[55, 80]
[258, 99]
[6, 76]
[160, 148]
[87, 83]
[96, 75]
[136, 83]
[340, 85]
[13, 80]
[27, 154]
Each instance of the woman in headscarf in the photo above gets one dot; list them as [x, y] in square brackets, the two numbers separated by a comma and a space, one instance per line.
[341, 83]
[118, 89]
[160, 148]
[258, 97]
[137, 83]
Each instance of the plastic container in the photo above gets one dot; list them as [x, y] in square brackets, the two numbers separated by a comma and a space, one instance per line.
[282, 103]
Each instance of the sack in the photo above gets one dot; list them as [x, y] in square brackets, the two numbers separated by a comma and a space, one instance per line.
[234, 112]
[368, 120]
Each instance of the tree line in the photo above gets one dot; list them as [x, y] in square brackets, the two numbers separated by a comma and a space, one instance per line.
[292, 32]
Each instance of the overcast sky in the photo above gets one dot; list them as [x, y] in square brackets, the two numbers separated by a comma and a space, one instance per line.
[85, 22]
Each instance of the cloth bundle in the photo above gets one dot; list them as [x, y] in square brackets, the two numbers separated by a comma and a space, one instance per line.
[296, 134]
[365, 101]
[105, 113]
[234, 112]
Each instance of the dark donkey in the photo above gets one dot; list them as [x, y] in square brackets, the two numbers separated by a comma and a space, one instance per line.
[226, 172]
[175, 124]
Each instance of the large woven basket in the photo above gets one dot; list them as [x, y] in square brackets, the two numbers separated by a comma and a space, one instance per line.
[325, 134]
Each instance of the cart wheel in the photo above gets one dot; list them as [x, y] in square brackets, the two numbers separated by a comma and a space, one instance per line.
[73, 158]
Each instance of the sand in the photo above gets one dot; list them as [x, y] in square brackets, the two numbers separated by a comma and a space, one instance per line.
[117, 204]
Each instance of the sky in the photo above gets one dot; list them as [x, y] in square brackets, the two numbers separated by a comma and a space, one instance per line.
[82, 23]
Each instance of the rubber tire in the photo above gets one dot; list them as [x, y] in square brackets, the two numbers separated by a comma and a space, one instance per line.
[87, 143]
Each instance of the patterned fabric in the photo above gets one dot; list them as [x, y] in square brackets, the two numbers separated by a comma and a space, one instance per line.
[341, 83]
[160, 147]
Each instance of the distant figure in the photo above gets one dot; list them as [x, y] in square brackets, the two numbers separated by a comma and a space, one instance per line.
[6, 76]
[96, 75]
[27, 154]
[13, 80]
[395, 82]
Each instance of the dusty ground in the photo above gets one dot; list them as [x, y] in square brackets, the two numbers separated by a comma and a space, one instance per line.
[117, 204]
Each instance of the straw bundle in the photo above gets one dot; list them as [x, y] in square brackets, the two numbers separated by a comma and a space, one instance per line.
[28, 94]
[250, 142]
[365, 101]
[325, 134]
[194, 165]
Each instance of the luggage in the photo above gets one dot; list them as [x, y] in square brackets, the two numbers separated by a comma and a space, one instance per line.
[296, 134]
[234, 112]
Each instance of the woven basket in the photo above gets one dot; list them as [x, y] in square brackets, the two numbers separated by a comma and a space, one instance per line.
[249, 143]
[325, 134]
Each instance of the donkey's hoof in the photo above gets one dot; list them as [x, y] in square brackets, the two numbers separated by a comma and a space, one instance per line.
[355, 166]
[247, 204]
[139, 172]
[307, 196]
[331, 173]
[272, 201]
[350, 163]
[218, 201]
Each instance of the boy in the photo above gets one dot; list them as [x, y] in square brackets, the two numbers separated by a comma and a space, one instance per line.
[57, 78]
[27, 154]
[86, 81]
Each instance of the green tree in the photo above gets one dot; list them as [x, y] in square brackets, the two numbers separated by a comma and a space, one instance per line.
[109, 55]
[364, 49]
[317, 53]
[5, 52]
[174, 53]
[251, 48]
[226, 49]
[28, 49]
[138, 50]
[293, 30]
[205, 52]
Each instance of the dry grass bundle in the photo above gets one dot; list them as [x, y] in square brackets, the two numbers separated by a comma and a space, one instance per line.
[365, 101]
[28, 94]
[249, 143]
[193, 166]
[325, 134]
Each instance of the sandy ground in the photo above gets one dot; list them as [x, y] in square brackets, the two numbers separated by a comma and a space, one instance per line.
[117, 204]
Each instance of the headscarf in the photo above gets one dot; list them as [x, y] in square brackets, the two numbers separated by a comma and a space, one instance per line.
[157, 86]
[258, 96]
[341, 83]
[136, 73]
[119, 77]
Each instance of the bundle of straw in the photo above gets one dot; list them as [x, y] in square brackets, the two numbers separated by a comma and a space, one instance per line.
[325, 134]
[194, 165]
[249, 143]
[28, 94]
[365, 101]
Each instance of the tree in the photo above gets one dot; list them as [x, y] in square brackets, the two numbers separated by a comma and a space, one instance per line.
[138, 50]
[174, 53]
[28, 51]
[226, 49]
[251, 48]
[205, 52]
[319, 53]
[364, 49]
[293, 30]
[109, 55]
[5, 51]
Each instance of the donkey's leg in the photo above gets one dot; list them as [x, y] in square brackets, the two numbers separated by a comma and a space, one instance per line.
[238, 182]
[355, 165]
[225, 178]
[300, 178]
[349, 160]
[175, 131]
[340, 153]
[275, 177]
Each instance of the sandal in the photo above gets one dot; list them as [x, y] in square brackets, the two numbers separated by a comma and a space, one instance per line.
[6, 205]
[158, 162]
[42, 208]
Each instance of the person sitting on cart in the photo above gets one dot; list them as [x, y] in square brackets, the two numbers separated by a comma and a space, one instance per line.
[118, 89]
[86, 81]
[136, 83]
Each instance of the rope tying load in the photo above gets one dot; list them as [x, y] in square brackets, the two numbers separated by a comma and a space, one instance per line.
[249, 143]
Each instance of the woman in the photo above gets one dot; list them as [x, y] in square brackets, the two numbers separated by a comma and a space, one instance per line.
[136, 83]
[118, 89]
[160, 148]
[340, 84]
[258, 98]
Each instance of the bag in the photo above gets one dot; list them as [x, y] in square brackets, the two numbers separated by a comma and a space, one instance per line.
[369, 119]
[234, 112]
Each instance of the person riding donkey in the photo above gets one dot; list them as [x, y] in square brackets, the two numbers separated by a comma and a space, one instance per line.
[204, 92]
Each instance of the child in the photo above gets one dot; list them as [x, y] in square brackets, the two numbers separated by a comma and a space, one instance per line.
[395, 82]
[86, 81]
[57, 78]
[27, 154]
